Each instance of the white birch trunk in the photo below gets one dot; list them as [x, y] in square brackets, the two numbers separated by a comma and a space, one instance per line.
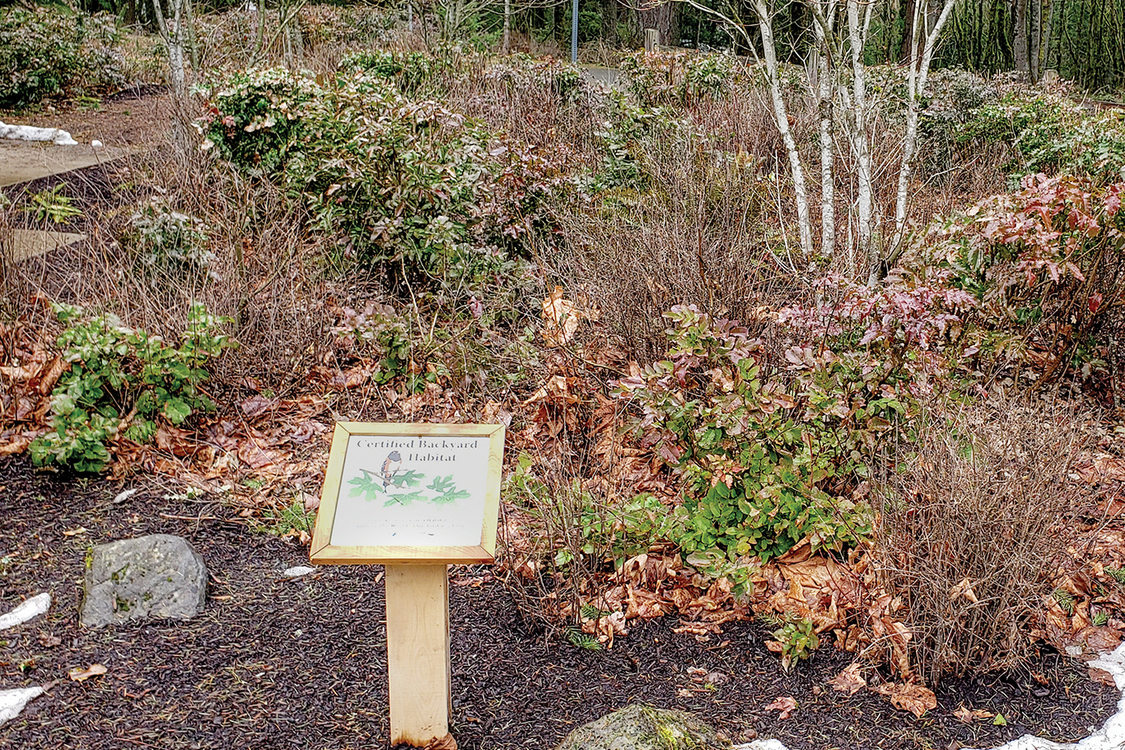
[507, 26]
[173, 40]
[781, 118]
[918, 71]
[827, 147]
[859, 135]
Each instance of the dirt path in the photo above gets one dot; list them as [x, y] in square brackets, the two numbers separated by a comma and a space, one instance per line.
[275, 663]
[123, 124]
[131, 118]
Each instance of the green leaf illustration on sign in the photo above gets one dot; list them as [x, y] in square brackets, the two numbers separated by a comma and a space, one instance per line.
[367, 485]
[405, 498]
[372, 485]
[445, 491]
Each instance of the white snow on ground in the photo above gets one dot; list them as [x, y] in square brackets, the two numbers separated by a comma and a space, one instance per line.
[1111, 736]
[31, 133]
[13, 701]
[297, 571]
[33, 607]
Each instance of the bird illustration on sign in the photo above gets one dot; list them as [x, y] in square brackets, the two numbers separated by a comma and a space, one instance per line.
[398, 486]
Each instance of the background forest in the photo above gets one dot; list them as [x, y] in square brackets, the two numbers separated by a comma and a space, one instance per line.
[1083, 40]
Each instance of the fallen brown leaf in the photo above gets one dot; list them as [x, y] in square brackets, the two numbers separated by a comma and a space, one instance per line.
[909, 696]
[442, 743]
[848, 681]
[785, 705]
[968, 716]
[1102, 676]
[78, 674]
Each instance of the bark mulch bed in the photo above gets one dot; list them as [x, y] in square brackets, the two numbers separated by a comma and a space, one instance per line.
[275, 663]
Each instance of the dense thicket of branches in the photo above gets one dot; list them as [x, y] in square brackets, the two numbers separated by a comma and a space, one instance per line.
[1082, 39]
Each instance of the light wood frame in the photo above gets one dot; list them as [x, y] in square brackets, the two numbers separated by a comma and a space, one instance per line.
[322, 552]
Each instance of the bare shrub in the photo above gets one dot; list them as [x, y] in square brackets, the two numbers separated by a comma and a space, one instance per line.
[699, 237]
[540, 548]
[564, 534]
[968, 535]
[266, 271]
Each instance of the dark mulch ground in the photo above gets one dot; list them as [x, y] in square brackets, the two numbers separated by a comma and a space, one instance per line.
[275, 663]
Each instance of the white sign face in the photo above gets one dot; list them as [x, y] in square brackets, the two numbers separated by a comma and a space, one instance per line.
[411, 490]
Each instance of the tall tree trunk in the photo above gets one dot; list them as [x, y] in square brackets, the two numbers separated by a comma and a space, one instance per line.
[858, 127]
[172, 34]
[1020, 44]
[507, 43]
[908, 17]
[823, 92]
[917, 74]
[781, 119]
[1035, 30]
[665, 18]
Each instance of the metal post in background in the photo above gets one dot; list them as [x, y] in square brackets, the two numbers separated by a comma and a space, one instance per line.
[574, 31]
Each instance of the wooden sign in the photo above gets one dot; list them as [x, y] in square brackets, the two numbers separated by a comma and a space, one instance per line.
[413, 497]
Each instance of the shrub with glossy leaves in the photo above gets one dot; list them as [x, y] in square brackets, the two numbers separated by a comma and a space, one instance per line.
[1050, 133]
[410, 72]
[1046, 268]
[45, 54]
[665, 78]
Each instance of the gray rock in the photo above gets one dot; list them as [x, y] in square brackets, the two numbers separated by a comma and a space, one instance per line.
[155, 576]
[641, 727]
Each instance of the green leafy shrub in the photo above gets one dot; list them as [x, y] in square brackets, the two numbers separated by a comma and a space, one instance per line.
[257, 116]
[625, 142]
[410, 72]
[683, 78]
[378, 332]
[121, 382]
[1050, 133]
[1045, 268]
[46, 54]
[403, 181]
[796, 640]
[766, 464]
[168, 239]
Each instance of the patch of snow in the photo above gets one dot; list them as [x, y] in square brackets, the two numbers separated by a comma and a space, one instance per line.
[12, 702]
[32, 133]
[761, 745]
[1111, 736]
[96, 143]
[297, 571]
[33, 607]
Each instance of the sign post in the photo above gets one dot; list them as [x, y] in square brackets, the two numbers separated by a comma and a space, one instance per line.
[415, 498]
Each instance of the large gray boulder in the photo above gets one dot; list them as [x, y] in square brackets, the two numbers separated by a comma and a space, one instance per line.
[641, 727]
[155, 576]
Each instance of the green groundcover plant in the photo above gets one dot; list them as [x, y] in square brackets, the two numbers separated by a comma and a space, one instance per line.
[121, 383]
